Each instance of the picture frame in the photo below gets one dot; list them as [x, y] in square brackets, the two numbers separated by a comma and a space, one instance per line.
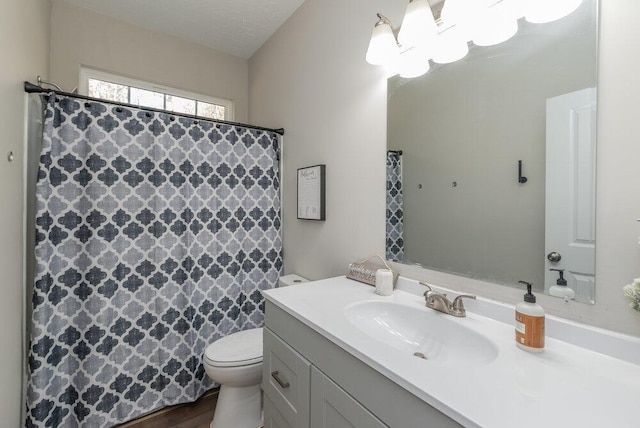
[311, 194]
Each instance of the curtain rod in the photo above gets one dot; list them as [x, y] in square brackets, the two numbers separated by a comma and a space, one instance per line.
[31, 89]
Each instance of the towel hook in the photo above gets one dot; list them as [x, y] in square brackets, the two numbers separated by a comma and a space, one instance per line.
[521, 179]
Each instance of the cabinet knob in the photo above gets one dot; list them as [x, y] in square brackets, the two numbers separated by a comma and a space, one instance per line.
[283, 384]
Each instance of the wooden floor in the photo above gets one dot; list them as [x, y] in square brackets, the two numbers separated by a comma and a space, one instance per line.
[191, 415]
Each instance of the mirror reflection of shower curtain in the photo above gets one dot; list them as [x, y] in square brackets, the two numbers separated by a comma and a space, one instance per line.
[155, 236]
[395, 213]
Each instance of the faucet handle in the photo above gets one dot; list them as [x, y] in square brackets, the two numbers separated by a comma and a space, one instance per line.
[429, 289]
[426, 285]
[457, 309]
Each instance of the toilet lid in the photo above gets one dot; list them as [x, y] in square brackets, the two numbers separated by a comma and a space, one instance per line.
[238, 349]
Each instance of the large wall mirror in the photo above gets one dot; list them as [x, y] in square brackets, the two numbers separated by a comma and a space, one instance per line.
[457, 137]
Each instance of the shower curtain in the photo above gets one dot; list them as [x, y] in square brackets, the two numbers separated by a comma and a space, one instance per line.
[155, 236]
[395, 213]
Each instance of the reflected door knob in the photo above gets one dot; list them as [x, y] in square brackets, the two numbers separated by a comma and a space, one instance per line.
[554, 257]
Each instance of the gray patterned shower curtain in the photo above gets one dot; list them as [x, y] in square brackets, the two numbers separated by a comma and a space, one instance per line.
[155, 236]
[395, 209]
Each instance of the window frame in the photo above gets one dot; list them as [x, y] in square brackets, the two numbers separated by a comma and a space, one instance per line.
[87, 73]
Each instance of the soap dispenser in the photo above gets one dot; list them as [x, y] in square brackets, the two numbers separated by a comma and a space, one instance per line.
[529, 323]
[560, 289]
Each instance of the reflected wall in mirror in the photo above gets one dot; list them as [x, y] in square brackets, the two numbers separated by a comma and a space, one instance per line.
[463, 128]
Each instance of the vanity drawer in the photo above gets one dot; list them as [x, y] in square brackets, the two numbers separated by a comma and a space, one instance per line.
[286, 381]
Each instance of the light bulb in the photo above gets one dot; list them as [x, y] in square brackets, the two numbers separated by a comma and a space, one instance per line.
[543, 11]
[383, 48]
[418, 26]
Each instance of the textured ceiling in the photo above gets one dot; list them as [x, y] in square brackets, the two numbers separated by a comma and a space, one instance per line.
[237, 27]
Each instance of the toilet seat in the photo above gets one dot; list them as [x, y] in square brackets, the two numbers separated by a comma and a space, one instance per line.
[238, 349]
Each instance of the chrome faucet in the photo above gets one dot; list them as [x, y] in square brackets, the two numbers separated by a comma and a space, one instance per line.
[441, 303]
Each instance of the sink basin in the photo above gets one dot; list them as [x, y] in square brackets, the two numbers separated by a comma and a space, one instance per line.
[423, 332]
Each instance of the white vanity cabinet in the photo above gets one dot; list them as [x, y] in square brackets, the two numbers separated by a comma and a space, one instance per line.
[286, 383]
[310, 382]
[474, 376]
[298, 395]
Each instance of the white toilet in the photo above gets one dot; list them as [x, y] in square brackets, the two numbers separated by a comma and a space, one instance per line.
[235, 362]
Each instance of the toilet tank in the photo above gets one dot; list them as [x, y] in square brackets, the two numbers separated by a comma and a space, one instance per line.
[291, 279]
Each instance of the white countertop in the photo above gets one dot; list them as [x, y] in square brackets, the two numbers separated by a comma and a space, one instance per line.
[565, 386]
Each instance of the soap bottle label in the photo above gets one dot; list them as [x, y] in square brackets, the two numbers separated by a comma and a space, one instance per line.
[529, 330]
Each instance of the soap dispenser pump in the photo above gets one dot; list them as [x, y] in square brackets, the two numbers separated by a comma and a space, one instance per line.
[560, 289]
[529, 323]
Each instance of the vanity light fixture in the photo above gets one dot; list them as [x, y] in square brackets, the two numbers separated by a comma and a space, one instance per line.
[419, 27]
[495, 24]
[461, 12]
[451, 46]
[413, 62]
[383, 47]
[482, 22]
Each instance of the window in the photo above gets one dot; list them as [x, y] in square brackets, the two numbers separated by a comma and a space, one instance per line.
[120, 89]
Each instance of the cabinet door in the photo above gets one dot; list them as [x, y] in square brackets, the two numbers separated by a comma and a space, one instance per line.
[272, 417]
[286, 381]
[332, 407]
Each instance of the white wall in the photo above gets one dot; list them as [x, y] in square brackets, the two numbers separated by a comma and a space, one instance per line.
[311, 78]
[82, 37]
[24, 43]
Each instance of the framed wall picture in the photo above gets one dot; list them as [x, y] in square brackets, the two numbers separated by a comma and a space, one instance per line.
[311, 193]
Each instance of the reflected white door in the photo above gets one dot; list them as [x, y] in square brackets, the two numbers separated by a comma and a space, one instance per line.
[570, 190]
